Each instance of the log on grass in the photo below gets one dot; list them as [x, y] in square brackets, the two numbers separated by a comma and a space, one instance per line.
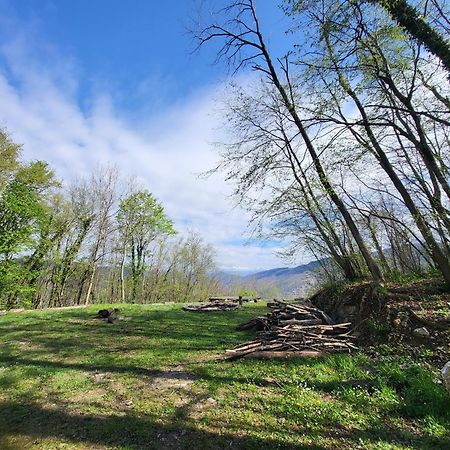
[236, 299]
[259, 324]
[105, 313]
[274, 354]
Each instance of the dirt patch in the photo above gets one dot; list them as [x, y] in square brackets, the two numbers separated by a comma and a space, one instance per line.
[29, 346]
[390, 313]
[174, 378]
[86, 397]
[100, 377]
[200, 406]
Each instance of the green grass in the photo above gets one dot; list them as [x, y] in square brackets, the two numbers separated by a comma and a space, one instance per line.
[152, 381]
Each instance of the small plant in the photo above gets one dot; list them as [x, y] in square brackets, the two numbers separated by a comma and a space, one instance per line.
[400, 277]
[383, 290]
[378, 328]
[426, 353]
[443, 311]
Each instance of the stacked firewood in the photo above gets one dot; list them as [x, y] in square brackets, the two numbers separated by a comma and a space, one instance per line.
[240, 299]
[295, 328]
[212, 306]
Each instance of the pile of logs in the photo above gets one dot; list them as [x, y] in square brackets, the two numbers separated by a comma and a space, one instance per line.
[239, 299]
[212, 306]
[297, 329]
[220, 304]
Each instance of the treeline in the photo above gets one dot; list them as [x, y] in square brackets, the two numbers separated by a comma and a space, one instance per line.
[94, 241]
[345, 135]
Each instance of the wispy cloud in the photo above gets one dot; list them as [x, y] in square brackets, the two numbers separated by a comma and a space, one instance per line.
[42, 108]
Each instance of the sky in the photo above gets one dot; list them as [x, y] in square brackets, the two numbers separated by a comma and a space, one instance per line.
[107, 82]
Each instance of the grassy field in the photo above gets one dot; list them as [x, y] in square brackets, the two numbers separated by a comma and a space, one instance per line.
[153, 380]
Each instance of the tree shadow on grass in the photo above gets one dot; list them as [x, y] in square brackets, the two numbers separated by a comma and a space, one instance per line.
[81, 331]
[419, 399]
[23, 425]
[129, 431]
[141, 371]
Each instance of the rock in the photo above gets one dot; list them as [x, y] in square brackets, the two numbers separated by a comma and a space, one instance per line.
[100, 376]
[445, 374]
[210, 401]
[421, 332]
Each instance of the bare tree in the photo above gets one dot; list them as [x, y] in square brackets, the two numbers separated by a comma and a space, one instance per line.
[102, 187]
[244, 44]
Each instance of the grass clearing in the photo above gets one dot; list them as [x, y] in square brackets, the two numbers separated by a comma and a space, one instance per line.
[68, 380]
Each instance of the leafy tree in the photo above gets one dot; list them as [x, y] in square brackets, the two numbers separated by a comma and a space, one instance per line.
[9, 153]
[141, 220]
[23, 212]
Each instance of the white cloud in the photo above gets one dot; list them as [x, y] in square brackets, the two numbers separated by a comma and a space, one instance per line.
[40, 109]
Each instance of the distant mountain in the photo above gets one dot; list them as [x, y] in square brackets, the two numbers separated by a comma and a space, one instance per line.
[290, 282]
[283, 271]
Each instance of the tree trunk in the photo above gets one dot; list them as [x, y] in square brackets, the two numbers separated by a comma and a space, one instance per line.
[91, 283]
[409, 19]
[122, 276]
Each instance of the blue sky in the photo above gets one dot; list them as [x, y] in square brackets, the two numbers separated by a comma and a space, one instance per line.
[92, 82]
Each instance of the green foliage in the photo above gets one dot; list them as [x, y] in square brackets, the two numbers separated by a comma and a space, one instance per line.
[63, 247]
[9, 153]
[246, 292]
[23, 213]
[141, 218]
[13, 291]
[410, 19]
[421, 395]
[22, 204]
[378, 328]
[400, 277]
[443, 311]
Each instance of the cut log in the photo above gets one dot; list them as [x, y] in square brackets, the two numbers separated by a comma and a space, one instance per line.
[257, 323]
[105, 313]
[301, 322]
